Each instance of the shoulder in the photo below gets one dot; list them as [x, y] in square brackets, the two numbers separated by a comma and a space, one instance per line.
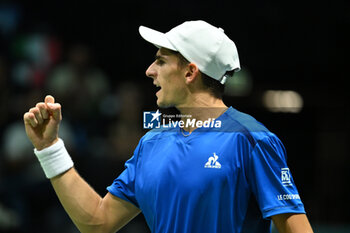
[247, 126]
[243, 121]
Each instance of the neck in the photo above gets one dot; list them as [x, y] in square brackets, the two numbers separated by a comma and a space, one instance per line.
[201, 100]
[201, 108]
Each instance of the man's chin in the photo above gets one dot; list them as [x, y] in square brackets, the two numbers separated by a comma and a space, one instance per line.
[163, 104]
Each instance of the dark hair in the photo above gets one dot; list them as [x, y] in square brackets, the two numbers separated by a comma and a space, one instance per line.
[214, 86]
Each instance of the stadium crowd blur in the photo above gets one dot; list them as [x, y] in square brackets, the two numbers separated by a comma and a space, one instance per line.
[102, 117]
[100, 124]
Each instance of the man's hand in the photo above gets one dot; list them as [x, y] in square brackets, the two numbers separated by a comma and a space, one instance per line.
[42, 123]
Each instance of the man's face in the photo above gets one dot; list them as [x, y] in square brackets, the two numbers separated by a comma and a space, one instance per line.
[170, 77]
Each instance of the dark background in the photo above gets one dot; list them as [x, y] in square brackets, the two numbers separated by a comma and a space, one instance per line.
[284, 45]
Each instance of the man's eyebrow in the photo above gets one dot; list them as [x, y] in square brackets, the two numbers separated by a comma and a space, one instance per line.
[157, 57]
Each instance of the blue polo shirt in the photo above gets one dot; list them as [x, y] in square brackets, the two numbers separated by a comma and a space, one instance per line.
[230, 179]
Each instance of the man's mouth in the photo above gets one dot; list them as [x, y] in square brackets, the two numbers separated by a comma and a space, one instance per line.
[158, 88]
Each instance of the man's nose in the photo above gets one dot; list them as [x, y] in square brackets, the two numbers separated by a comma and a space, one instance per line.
[151, 72]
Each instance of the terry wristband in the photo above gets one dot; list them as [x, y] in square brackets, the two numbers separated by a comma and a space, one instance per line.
[54, 159]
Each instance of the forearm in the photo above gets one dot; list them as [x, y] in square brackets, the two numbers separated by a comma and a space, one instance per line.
[80, 201]
[292, 223]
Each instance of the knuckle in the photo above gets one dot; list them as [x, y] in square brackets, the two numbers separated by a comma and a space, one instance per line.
[40, 105]
[33, 110]
[25, 115]
[28, 117]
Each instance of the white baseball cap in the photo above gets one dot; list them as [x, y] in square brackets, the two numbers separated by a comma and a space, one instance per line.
[201, 43]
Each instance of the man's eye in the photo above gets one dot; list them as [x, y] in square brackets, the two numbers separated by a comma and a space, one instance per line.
[160, 62]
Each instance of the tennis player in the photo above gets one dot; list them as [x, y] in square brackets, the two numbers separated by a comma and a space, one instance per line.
[229, 175]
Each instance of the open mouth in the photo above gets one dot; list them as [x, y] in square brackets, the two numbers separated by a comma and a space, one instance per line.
[158, 88]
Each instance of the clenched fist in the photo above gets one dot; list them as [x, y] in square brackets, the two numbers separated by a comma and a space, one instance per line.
[42, 123]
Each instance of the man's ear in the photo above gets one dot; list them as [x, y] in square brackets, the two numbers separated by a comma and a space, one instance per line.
[192, 73]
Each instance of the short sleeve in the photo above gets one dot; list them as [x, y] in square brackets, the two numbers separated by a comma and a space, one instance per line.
[271, 180]
[124, 185]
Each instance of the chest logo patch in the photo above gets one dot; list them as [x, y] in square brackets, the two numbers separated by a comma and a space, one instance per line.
[213, 162]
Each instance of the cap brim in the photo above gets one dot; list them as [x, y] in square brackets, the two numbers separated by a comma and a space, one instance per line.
[159, 39]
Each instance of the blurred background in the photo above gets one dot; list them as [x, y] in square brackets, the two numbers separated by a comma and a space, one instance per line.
[90, 56]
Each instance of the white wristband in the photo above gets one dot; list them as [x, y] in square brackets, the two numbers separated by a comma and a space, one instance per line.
[54, 159]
